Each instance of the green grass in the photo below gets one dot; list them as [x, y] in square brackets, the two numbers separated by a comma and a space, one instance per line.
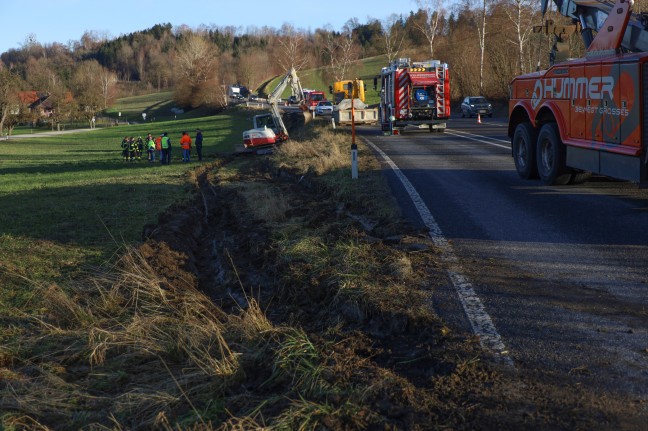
[157, 107]
[70, 200]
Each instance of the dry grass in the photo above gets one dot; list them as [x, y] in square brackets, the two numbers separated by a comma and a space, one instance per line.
[163, 344]
[131, 348]
[321, 153]
[141, 349]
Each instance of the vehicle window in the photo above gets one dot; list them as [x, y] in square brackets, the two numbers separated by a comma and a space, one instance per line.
[478, 100]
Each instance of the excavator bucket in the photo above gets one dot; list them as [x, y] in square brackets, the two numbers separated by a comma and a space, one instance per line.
[296, 119]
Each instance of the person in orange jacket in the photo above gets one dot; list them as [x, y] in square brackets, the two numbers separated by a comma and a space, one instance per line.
[158, 147]
[185, 144]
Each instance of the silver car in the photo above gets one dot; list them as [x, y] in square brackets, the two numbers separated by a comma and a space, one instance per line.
[324, 107]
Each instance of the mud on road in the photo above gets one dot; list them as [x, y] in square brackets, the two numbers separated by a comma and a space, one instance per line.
[384, 360]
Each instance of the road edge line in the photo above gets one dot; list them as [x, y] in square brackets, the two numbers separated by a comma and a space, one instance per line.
[480, 321]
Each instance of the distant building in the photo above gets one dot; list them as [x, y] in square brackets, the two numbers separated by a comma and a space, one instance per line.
[36, 102]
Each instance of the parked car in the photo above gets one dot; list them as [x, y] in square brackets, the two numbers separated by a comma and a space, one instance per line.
[324, 107]
[292, 100]
[473, 105]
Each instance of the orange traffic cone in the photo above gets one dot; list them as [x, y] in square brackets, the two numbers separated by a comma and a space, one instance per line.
[478, 118]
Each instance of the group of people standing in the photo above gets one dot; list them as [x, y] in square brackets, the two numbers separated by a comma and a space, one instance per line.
[133, 149]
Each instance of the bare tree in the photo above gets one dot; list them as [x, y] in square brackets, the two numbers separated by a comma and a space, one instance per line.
[196, 67]
[108, 83]
[91, 41]
[340, 51]
[522, 13]
[160, 69]
[62, 104]
[392, 36]
[92, 86]
[252, 67]
[9, 85]
[41, 74]
[292, 49]
[125, 57]
[433, 10]
[481, 31]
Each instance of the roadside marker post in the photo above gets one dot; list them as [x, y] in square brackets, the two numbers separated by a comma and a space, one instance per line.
[479, 118]
[354, 147]
[354, 161]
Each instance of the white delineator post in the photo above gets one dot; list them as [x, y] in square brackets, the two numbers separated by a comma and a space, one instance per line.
[354, 147]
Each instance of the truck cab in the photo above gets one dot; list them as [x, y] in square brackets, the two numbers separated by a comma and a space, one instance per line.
[314, 97]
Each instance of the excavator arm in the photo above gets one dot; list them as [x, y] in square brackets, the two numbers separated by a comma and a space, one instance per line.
[273, 99]
[270, 129]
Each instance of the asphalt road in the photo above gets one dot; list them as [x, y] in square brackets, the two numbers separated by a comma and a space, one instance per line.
[561, 272]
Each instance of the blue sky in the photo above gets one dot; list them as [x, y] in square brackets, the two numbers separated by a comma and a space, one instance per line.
[66, 20]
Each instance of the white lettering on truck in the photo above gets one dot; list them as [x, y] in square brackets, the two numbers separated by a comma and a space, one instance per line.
[595, 88]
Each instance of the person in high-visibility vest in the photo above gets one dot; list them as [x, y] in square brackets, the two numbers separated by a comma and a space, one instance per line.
[185, 144]
[165, 143]
[150, 148]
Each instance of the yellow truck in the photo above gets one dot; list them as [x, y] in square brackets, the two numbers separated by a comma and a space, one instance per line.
[347, 92]
[341, 90]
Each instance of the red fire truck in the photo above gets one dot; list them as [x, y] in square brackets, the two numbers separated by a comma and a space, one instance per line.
[586, 115]
[313, 98]
[414, 94]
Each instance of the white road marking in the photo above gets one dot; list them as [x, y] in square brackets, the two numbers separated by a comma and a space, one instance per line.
[481, 323]
[473, 137]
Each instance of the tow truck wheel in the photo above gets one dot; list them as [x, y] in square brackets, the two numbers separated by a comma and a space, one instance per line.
[524, 151]
[550, 156]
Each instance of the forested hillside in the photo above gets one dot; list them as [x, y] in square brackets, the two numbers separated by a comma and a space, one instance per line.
[485, 43]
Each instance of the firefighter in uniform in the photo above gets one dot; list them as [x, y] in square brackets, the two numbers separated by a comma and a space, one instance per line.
[132, 148]
[140, 147]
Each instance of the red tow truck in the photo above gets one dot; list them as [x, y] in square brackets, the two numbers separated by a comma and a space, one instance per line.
[586, 115]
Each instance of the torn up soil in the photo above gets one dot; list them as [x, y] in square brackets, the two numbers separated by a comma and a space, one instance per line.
[379, 357]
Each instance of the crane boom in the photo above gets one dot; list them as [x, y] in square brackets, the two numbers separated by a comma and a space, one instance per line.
[273, 99]
[592, 16]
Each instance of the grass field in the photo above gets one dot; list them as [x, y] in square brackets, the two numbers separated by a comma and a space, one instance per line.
[73, 197]
[156, 106]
